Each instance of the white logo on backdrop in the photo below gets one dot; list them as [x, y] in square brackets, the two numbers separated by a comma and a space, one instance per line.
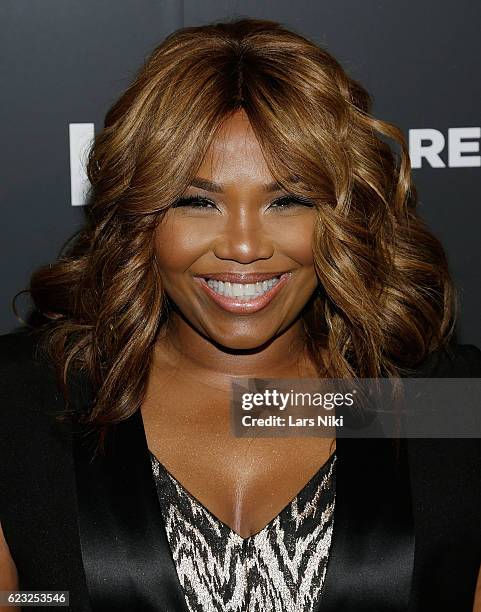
[81, 137]
[425, 147]
[427, 144]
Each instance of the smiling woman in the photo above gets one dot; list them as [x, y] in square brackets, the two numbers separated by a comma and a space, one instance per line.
[239, 245]
[247, 218]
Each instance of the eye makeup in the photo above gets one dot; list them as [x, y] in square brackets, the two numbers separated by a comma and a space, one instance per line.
[283, 203]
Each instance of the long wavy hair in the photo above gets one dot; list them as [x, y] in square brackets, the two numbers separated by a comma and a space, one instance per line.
[385, 297]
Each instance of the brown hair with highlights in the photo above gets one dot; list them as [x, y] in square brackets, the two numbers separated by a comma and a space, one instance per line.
[386, 299]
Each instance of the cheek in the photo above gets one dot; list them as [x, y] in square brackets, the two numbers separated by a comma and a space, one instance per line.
[295, 239]
[177, 245]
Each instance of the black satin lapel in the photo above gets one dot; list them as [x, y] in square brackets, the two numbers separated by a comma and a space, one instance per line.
[371, 560]
[126, 555]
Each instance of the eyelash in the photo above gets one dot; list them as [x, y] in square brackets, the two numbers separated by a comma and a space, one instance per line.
[287, 202]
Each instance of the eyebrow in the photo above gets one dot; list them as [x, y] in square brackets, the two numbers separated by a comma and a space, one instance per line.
[219, 188]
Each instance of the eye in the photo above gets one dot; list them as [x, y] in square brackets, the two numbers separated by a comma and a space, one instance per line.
[291, 201]
[284, 203]
[193, 202]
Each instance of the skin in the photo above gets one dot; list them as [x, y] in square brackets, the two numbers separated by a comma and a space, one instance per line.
[205, 348]
[8, 570]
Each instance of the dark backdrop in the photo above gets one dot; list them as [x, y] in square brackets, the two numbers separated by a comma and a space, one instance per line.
[63, 62]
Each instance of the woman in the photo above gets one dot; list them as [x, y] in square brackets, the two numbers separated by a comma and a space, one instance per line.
[246, 219]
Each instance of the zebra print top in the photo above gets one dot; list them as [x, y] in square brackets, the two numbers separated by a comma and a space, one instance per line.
[279, 569]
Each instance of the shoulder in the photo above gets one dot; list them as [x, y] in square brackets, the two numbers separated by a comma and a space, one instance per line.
[19, 346]
[29, 381]
[27, 377]
[453, 361]
[445, 471]
[22, 360]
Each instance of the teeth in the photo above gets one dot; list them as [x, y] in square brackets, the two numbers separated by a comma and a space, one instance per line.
[244, 291]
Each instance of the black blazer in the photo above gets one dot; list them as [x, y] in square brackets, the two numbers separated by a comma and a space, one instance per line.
[407, 534]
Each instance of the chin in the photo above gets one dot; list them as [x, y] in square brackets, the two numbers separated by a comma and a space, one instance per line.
[241, 342]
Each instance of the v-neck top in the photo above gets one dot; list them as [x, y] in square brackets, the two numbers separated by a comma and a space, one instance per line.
[281, 568]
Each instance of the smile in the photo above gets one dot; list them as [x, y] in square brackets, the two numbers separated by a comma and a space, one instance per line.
[243, 298]
[244, 291]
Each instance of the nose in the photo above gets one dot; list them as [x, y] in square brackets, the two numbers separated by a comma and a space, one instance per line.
[244, 239]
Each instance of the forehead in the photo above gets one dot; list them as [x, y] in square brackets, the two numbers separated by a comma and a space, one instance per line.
[235, 154]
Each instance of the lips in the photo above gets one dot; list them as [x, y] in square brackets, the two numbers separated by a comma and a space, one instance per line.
[244, 304]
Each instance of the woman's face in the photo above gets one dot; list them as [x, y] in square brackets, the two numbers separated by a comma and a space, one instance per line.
[237, 227]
